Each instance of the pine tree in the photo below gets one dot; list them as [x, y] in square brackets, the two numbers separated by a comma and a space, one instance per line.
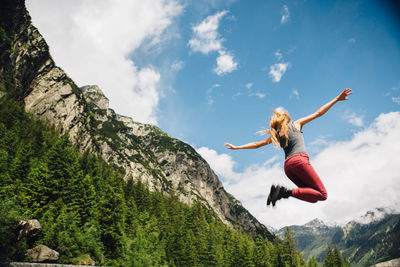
[248, 253]
[312, 262]
[5, 180]
[229, 248]
[37, 189]
[290, 254]
[262, 255]
[111, 218]
[132, 216]
[146, 249]
[334, 258]
[196, 221]
[10, 248]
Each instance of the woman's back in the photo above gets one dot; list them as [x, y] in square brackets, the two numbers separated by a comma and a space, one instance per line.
[295, 143]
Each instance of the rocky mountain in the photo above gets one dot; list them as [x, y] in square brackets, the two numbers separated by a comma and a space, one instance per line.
[312, 238]
[28, 73]
[370, 239]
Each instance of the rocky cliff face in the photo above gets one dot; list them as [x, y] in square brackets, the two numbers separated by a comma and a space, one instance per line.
[28, 73]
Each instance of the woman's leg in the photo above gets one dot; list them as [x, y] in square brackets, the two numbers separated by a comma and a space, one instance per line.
[300, 171]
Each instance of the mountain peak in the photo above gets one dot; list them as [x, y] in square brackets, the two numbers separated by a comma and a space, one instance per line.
[93, 94]
[315, 223]
[371, 216]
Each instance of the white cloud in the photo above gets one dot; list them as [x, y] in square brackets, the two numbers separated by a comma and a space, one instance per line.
[260, 95]
[278, 55]
[362, 173]
[249, 85]
[206, 39]
[359, 175]
[222, 164]
[251, 92]
[210, 99]
[396, 99]
[354, 119]
[291, 49]
[294, 94]
[396, 87]
[225, 64]
[216, 85]
[280, 109]
[236, 95]
[277, 70]
[92, 41]
[318, 144]
[352, 40]
[205, 35]
[177, 65]
[285, 14]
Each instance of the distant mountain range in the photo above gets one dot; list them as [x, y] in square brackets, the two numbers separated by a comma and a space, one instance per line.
[370, 239]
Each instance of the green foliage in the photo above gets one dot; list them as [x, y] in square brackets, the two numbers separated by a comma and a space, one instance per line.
[334, 258]
[4, 37]
[9, 245]
[288, 253]
[312, 262]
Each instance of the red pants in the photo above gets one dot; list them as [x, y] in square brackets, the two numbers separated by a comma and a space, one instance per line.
[300, 171]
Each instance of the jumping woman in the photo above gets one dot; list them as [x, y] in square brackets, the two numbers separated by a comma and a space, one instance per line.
[288, 134]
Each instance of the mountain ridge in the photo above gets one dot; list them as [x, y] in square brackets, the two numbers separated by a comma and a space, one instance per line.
[143, 151]
[364, 241]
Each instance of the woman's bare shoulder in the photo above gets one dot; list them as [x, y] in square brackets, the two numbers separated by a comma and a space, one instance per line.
[297, 125]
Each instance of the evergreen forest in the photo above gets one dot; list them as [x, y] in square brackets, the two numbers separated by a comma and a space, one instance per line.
[87, 210]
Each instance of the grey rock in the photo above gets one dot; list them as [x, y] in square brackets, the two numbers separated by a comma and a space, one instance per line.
[42, 253]
[93, 94]
[28, 228]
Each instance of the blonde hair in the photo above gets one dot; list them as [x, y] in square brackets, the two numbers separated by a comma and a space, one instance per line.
[279, 122]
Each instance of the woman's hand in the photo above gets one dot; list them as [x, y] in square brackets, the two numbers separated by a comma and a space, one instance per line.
[230, 146]
[344, 95]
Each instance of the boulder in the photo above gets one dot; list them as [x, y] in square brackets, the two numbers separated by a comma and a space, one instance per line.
[28, 228]
[42, 253]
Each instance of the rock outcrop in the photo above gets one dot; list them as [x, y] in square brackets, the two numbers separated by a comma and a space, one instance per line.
[28, 73]
[42, 253]
[28, 228]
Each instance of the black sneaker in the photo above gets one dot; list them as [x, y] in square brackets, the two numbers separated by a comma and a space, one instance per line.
[278, 192]
[273, 193]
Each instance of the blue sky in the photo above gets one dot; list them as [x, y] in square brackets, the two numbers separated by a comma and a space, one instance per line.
[329, 46]
[210, 72]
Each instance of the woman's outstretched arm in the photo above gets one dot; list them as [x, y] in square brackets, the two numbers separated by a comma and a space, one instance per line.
[250, 145]
[322, 110]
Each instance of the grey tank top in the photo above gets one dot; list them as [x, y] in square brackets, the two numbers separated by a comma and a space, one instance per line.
[295, 143]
